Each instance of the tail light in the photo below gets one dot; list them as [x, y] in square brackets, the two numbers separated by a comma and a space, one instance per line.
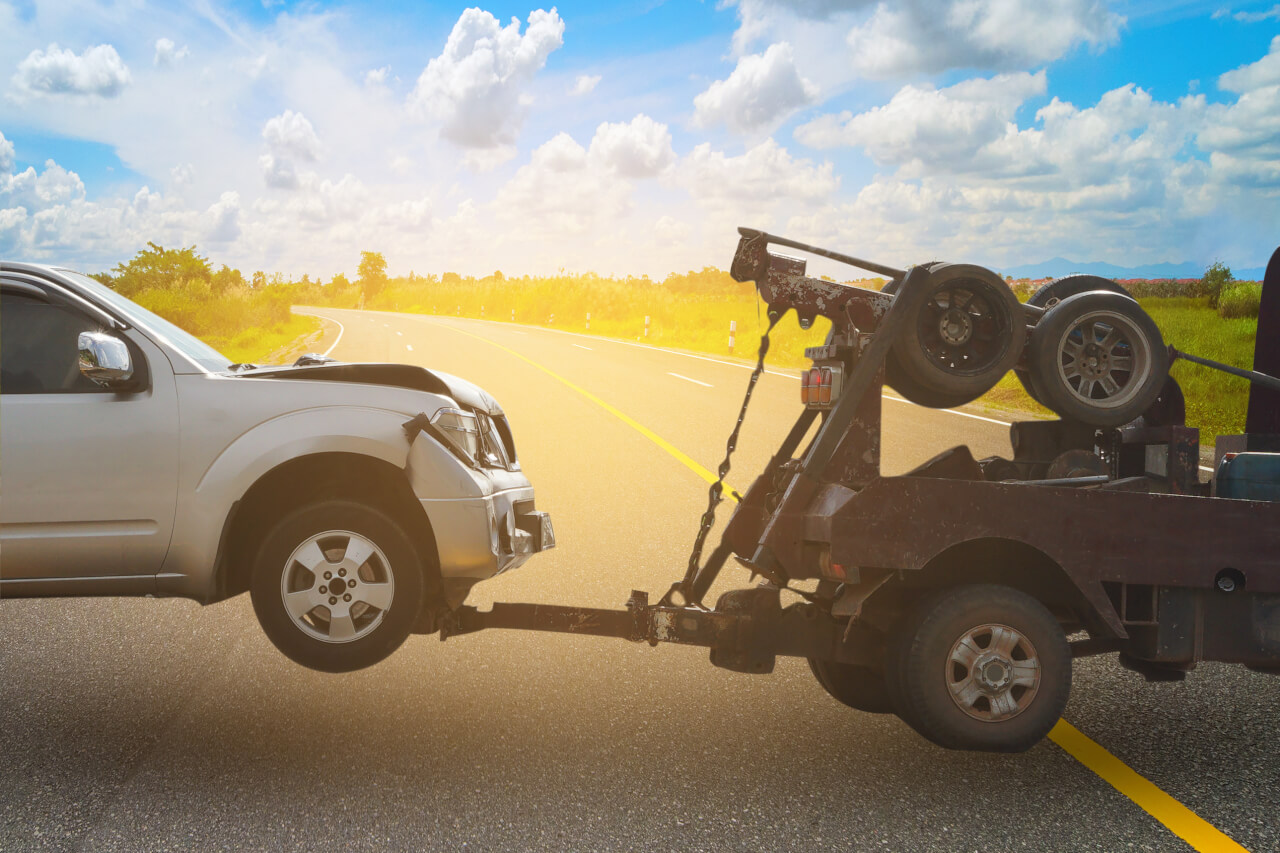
[820, 386]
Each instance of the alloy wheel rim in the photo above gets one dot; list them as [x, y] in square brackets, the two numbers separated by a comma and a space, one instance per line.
[337, 586]
[1104, 359]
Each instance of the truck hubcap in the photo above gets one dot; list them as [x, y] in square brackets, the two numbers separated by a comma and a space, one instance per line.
[337, 586]
[992, 672]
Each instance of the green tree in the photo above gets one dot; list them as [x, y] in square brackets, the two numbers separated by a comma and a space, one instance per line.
[339, 282]
[157, 268]
[372, 274]
[1216, 279]
[226, 280]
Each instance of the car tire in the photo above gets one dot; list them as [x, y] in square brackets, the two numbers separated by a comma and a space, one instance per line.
[860, 687]
[966, 329]
[1050, 294]
[1071, 366]
[986, 668]
[365, 607]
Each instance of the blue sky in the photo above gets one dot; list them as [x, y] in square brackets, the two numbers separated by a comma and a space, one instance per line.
[633, 137]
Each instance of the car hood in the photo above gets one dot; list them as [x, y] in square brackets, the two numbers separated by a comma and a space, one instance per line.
[392, 375]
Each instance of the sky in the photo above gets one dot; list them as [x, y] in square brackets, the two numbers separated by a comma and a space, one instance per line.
[633, 138]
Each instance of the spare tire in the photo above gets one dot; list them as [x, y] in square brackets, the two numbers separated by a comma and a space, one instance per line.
[1051, 293]
[965, 331]
[1098, 358]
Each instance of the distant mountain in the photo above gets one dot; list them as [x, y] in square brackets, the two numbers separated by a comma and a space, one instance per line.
[1061, 266]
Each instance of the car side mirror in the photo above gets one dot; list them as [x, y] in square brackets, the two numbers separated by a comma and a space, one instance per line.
[104, 358]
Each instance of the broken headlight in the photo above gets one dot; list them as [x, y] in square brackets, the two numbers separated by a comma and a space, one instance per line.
[460, 428]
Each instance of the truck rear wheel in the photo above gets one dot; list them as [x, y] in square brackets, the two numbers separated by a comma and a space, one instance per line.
[860, 687]
[984, 668]
[337, 585]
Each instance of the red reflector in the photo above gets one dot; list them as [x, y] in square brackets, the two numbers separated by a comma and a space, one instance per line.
[824, 389]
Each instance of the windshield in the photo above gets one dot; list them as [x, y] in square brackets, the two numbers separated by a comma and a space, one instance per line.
[181, 340]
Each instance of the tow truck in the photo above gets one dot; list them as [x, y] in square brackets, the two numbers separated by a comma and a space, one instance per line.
[958, 594]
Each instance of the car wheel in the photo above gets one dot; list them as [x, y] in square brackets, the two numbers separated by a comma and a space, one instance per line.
[860, 687]
[1098, 358]
[965, 331]
[337, 585]
[1050, 294]
[986, 668]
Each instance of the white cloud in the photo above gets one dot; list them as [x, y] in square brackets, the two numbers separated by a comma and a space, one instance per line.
[182, 174]
[168, 53]
[37, 191]
[98, 71]
[910, 37]
[224, 218]
[563, 191]
[1006, 34]
[278, 172]
[292, 134]
[1252, 17]
[585, 84]
[377, 76]
[481, 160]
[762, 91]
[6, 156]
[1244, 137]
[476, 87]
[943, 128]
[766, 173]
[1264, 72]
[640, 148]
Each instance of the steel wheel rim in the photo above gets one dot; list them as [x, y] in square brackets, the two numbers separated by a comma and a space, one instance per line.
[962, 329]
[337, 586]
[1104, 359]
[992, 673]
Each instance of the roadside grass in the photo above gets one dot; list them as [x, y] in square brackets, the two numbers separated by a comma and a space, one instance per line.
[1216, 402]
[242, 324]
[265, 344]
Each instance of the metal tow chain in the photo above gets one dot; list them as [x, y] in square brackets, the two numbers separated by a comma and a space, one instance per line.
[717, 488]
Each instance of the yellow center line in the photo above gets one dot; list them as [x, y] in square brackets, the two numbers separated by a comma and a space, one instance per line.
[679, 455]
[1177, 818]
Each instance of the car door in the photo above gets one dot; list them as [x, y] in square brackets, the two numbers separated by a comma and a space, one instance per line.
[88, 475]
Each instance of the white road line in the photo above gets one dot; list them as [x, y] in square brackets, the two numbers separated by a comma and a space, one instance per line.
[341, 329]
[580, 346]
[401, 334]
[694, 381]
[409, 347]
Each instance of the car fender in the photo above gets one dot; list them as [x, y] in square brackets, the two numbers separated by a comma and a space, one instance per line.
[204, 509]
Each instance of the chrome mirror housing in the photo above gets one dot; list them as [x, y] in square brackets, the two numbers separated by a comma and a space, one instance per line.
[104, 358]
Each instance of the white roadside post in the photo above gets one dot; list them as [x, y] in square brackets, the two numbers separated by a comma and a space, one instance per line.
[588, 321]
[646, 325]
[481, 312]
[733, 331]
[513, 315]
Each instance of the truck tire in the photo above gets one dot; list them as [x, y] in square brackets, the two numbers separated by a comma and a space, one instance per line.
[1098, 358]
[1051, 293]
[337, 585]
[986, 668]
[966, 330]
[860, 687]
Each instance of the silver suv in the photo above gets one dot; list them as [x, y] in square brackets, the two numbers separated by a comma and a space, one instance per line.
[355, 502]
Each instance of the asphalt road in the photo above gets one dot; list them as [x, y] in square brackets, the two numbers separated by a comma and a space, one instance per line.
[162, 725]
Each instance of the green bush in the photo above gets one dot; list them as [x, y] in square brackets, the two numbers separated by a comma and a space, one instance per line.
[1240, 299]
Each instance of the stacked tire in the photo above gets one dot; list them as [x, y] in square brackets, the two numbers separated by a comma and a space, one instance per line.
[1094, 356]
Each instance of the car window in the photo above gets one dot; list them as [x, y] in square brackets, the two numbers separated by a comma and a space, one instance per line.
[39, 347]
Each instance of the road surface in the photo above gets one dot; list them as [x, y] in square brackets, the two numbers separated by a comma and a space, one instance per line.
[161, 725]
